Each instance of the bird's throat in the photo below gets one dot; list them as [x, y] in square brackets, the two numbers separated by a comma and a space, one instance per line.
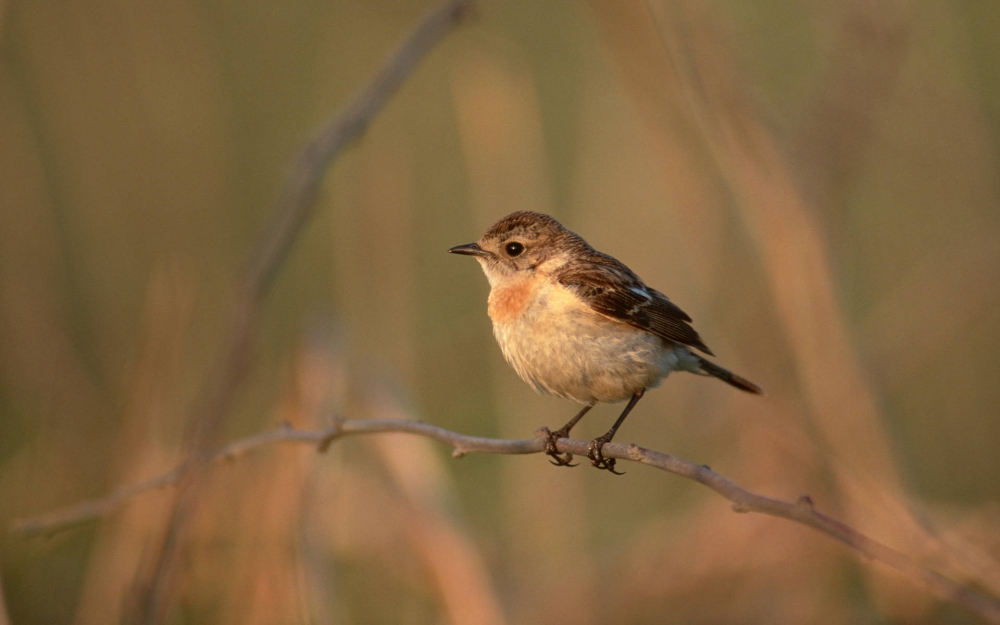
[509, 301]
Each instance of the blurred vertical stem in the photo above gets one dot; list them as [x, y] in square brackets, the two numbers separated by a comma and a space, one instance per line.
[4, 619]
[292, 211]
[692, 61]
[860, 69]
[842, 404]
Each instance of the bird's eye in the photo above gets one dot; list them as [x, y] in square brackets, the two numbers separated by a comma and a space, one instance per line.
[513, 248]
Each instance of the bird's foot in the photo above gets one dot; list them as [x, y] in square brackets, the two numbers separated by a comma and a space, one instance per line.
[556, 458]
[597, 458]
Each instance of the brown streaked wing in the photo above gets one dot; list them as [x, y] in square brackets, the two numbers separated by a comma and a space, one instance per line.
[612, 289]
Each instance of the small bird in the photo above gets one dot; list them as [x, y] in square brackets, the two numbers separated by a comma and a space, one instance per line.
[579, 324]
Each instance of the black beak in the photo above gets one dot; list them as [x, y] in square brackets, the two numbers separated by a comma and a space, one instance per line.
[469, 249]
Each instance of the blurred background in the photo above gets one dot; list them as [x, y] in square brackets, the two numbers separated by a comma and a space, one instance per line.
[816, 183]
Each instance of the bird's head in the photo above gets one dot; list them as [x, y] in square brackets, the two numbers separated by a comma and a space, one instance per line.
[522, 242]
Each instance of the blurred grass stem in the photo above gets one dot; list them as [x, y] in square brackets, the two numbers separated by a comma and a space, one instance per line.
[294, 207]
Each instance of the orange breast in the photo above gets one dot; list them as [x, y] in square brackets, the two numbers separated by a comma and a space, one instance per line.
[507, 304]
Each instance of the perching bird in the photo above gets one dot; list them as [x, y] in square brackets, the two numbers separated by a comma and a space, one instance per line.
[581, 325]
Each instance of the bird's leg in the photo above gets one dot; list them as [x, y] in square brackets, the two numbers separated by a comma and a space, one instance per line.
[563, 460]
[594, 450]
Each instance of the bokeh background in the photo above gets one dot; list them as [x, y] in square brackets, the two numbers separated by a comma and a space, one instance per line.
[816, 183]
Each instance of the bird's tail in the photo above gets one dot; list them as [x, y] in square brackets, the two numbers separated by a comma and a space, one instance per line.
[729, 377]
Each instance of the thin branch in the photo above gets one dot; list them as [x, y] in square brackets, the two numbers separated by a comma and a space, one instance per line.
[801, 511]
[296, 201]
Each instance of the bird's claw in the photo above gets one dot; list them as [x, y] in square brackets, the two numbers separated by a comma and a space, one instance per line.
[597, 458]
[556, 458]
[561, 461]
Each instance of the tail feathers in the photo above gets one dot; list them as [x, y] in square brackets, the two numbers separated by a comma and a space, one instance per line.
[729, 377]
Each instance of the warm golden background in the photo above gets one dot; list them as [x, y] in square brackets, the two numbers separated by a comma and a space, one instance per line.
[816, 183]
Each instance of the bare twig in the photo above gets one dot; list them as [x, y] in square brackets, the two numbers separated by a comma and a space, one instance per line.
[294, 207]
[801, 511]
[296, 201]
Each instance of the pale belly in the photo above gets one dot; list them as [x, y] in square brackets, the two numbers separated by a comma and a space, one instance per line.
[560, 346]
